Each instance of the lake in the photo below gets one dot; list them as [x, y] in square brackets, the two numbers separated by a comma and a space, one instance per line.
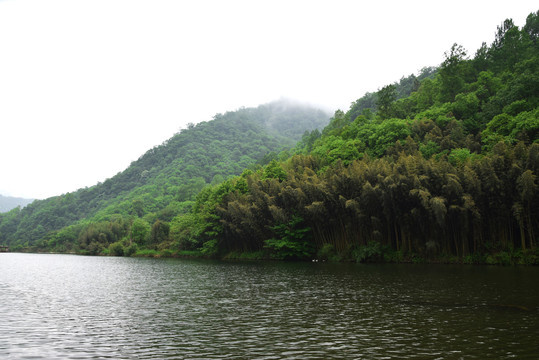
[77, 307]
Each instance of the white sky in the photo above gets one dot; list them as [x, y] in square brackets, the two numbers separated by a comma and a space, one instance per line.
[86, 87]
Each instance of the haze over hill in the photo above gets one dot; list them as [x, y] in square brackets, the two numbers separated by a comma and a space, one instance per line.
[7, 203]
[167, 177]
[439, 166]
[423, 168]
[89, 85]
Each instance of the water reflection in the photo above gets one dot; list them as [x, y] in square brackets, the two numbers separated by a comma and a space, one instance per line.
[59, 306]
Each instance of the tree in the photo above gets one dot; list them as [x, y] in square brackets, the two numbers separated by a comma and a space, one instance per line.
[159, 232]
[386, 134]
[531, 28]
[386, 97]
[137, 207]
[509, 46]
[528, 189]
[274, 171]
[453, 72]
[502, 30]
[291, 241]
[139, 231]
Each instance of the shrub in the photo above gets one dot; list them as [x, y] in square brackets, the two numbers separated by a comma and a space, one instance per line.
[209, 248]
[116, 249]
[328, 253]
[130, 250]
[292, 241]
[372, 252]
[166, 253]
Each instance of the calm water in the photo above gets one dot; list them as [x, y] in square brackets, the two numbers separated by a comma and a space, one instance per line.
[74, 307]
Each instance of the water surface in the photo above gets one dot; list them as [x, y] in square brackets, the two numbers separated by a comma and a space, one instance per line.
[75, 307]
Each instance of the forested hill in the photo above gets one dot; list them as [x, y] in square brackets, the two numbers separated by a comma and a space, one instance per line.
[437, 167]
[284, 117]
[163, 181]
[8, 202]
[447, 173]
[443, 170]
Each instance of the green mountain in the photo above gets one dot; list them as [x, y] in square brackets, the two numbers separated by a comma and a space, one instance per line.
[447, 173]
[444, 170]
[8, 202]
[163, 182]
[436, 167]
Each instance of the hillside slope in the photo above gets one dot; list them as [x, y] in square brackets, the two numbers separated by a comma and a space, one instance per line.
[446, 174]
[441, 167]
[171, 173]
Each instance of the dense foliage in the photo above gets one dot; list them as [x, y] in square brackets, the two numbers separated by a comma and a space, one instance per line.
[438, 167]
[441, 166]
[160, 184]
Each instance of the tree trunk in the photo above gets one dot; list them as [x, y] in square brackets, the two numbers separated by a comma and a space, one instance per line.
[396, 235]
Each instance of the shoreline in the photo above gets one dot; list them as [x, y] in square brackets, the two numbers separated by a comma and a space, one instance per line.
[501, 258]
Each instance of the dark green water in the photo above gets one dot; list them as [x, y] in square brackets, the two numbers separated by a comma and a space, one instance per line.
[62, 307]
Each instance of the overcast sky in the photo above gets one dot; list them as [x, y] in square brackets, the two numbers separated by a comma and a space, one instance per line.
[86, 87]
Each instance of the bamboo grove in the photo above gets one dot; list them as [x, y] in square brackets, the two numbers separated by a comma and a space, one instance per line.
[441, 166]
[406, 204]
[448, 172]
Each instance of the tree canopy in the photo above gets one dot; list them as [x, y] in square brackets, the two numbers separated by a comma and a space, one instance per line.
[441, 166]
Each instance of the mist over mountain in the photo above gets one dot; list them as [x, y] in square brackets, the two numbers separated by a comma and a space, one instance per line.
[170, 175]
[441, 166]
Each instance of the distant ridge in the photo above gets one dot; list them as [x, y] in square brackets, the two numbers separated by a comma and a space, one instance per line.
[8, 203]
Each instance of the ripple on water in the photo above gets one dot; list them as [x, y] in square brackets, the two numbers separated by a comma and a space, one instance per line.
[69, 307]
